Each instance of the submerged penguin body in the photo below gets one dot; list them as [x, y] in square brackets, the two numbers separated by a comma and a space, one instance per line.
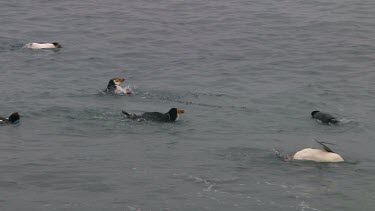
[172, 115]
[324, 117]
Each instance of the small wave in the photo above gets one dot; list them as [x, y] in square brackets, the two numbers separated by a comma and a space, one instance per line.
[190, 98]
[10, 46]
[279, 155]
[304, 206]
[345, 121]
[220, 94]
[208, 183]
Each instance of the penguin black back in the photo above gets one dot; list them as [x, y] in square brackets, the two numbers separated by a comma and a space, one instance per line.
[324, 117]
[171, 116]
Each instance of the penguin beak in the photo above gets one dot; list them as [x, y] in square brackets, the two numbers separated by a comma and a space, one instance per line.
[180, 111]
[118, 81]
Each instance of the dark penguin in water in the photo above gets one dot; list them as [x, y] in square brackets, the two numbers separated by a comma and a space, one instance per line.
[324, 117]
[12, 119]
[171, 116]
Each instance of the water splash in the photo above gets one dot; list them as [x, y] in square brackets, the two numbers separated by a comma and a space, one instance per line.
[124, 90]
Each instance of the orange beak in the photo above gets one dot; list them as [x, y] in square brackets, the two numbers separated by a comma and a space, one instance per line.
[180, 111]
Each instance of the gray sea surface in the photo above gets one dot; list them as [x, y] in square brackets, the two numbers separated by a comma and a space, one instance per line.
[247, 73]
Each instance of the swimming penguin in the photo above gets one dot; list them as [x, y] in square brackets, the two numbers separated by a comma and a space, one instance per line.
[12, 119]
[35, 45]
[171, 116]
[114, 87]
[317, 155]
[324, 117]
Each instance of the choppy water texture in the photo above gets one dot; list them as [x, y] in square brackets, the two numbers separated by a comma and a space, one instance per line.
[248, 74]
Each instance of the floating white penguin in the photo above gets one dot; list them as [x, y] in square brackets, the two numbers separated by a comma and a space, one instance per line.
[317, 155]
[35, 45]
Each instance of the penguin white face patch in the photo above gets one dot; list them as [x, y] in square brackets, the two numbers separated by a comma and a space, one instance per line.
[179, 112]
[118, 81]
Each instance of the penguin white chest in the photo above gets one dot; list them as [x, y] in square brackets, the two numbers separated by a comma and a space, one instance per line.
[317, 155]
[40, 45]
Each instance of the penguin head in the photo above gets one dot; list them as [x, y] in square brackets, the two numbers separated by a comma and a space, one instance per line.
[314, 112]
[115, 82]
[174, 113]
[57, 45]
[14, 117]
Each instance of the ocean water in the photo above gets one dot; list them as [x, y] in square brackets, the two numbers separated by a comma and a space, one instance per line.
[247, 73]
